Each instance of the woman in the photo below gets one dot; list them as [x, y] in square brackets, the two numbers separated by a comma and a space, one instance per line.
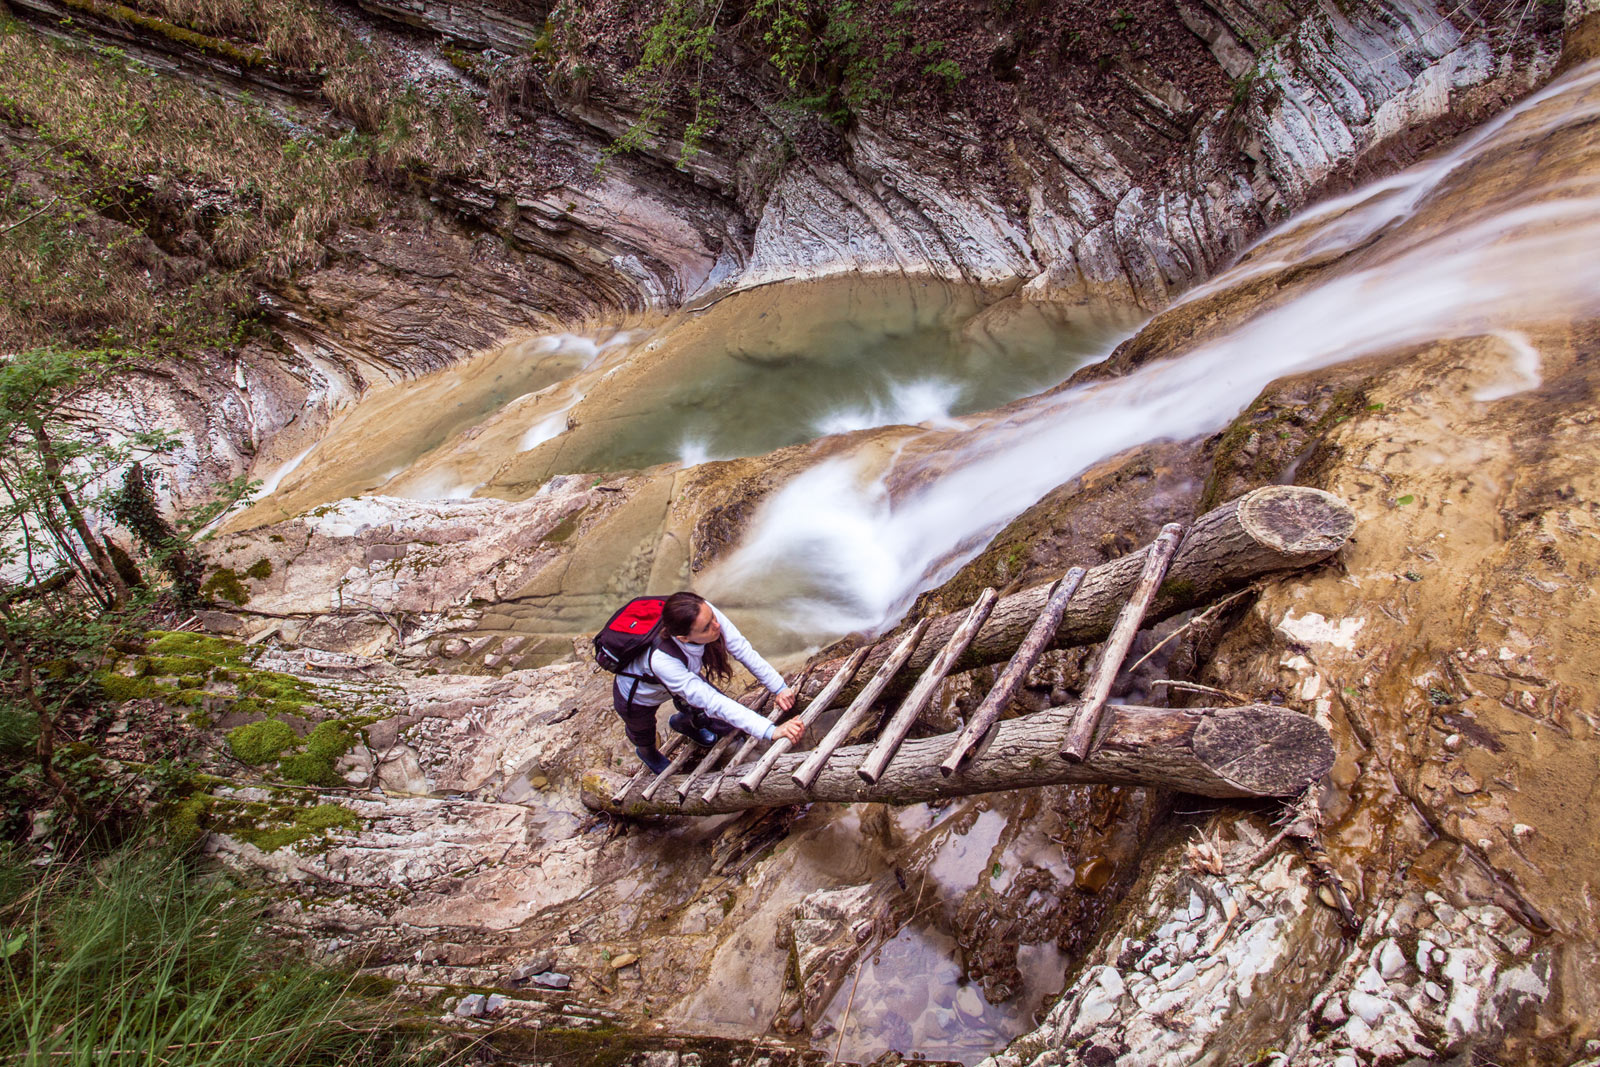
[696, 638]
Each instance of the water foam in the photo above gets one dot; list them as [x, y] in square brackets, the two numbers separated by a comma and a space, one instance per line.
[924, 401]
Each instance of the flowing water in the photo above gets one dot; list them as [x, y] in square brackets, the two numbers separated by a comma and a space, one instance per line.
[759, 370]
[1498, 234]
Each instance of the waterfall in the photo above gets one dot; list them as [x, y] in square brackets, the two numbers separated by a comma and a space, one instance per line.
[1497, 234]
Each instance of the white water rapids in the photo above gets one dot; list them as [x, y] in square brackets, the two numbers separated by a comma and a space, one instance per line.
[1428, 261]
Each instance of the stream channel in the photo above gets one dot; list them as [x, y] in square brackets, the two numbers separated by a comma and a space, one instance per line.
[1493, 238]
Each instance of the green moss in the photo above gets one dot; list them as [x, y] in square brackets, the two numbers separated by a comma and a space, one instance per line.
[565, 528]
[199, 646]
[1180, 589]
[119, 688]
[260, 570]
[308, 769]
[245, 57]
[224, 584]
[258, 742]
[188, 818]
[305, 823]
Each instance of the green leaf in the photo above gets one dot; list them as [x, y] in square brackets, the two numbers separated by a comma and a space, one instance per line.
[1403, 501]
[13, 945]
[995, 871]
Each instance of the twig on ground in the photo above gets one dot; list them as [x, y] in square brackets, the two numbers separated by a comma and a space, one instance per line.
[1196, 621]
[1196, 687]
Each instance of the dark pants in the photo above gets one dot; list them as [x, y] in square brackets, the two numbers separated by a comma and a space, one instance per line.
[639, 720]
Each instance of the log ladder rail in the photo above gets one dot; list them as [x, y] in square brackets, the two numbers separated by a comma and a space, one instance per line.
[1083, 727]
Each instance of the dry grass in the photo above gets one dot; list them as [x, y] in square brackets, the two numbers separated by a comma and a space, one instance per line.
[140, 211]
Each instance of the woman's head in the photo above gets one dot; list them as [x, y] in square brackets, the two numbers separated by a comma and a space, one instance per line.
[688, 617]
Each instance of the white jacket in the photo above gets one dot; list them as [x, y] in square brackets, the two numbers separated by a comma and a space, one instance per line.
[685, 682]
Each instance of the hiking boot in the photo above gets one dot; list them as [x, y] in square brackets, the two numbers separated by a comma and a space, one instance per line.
[686, 726]
[653, 759]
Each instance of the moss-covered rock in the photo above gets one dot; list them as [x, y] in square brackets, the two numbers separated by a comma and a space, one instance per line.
[260, 742]
[224, 584]
[323, 747]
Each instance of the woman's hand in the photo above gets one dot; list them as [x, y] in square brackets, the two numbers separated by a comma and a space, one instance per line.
[786, 698]
[792, 731]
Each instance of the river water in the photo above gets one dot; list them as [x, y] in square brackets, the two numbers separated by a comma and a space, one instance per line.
[756, 371]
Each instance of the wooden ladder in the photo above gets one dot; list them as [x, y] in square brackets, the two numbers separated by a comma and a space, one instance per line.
[1078, 743]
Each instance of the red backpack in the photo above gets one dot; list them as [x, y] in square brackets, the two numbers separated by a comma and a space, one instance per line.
[635, 627]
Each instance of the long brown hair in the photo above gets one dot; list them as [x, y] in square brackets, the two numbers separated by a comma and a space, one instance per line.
[678, 617]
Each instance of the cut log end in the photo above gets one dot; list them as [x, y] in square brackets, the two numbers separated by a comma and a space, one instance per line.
[1270, 752]
[1297, 520]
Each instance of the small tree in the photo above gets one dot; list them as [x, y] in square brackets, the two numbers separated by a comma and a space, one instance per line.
[55, 464]
[56, 468]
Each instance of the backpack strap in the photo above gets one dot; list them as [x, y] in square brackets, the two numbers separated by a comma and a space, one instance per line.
[665, 644]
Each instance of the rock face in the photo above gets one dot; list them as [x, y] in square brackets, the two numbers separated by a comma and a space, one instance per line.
[1133, 201]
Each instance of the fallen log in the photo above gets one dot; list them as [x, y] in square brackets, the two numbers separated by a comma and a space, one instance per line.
[1252, 751]
[1274, 528]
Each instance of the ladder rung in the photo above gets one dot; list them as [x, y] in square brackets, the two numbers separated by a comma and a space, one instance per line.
[900, 724]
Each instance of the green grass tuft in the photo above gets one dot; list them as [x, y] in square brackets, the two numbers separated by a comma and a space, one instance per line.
[140, 957]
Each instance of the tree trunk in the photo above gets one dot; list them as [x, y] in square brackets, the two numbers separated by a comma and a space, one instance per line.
[1275, 528]
[97, 552]
[1251, 751]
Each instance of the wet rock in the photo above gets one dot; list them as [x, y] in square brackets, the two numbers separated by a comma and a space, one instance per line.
[969, 1002]
[538, 964]
[1094, 875]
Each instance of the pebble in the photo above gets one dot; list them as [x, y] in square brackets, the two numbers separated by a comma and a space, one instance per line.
[1370, 1008]
[538, 781]
[1333, 1010]
[552, 980]
[969, 1002]
[1197, 907]
[1160, 971]
[1391, 960]
[494, 1005]
[1370, 981]
[1094, 875]
[1433, 990]
[1453, 742]
[1188, 943]
[470, 1006]
[1424, 955]
[627, 959]
[1183, 976]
